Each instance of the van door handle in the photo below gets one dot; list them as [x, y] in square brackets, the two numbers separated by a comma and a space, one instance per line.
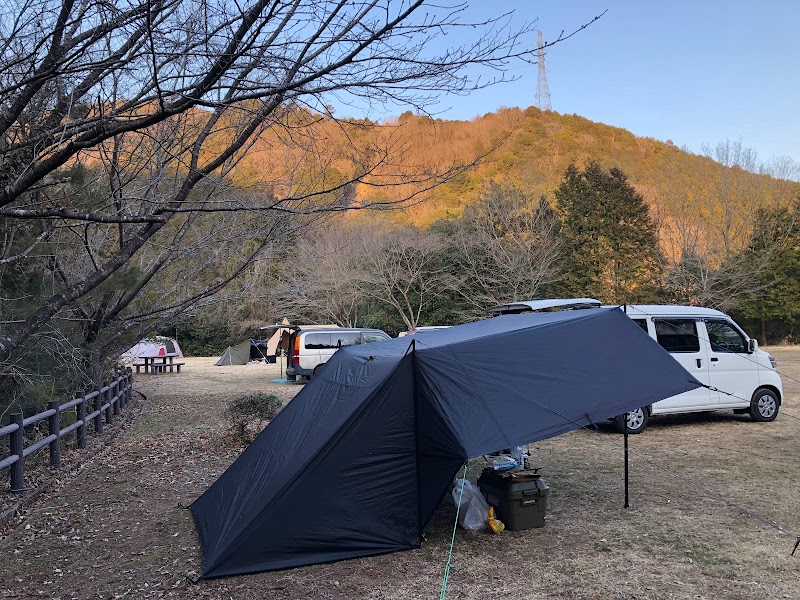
[699, 363]
[714, 360]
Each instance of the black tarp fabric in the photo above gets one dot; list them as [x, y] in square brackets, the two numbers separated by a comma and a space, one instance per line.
[358, 461]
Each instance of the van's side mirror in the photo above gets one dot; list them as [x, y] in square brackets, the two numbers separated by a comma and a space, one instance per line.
[752, 346]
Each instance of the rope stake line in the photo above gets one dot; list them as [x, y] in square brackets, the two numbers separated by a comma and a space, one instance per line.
[758, 364]
[446, 577]
[699, 337]
[647, 459]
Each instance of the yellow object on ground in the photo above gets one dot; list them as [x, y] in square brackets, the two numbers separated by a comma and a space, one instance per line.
[495, 524]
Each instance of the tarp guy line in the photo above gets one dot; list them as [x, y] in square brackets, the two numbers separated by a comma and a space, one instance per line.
[708, 492]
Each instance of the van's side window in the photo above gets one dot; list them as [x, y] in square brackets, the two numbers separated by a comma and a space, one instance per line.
[318, 341]
[678, 335]
[373, 337]
[724, 337]
[641, 323]
[332, 341]
[345, 339]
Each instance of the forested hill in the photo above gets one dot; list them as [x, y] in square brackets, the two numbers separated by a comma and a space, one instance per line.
[534, 148]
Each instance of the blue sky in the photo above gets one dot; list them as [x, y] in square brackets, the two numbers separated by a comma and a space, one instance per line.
[693, 72]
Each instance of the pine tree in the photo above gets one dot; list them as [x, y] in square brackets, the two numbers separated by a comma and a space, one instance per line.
[611, 240]
[772, 260]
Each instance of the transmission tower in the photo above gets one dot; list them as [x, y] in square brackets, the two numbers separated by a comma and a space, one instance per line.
[542, 89]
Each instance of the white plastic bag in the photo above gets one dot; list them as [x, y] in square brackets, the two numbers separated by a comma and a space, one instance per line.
[502, 462]
[474, 511]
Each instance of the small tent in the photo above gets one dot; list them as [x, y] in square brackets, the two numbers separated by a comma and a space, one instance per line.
[358, 461]
[243, 353]
[155, 346]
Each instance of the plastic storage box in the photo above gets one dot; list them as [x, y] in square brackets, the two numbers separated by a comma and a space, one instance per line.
[519, 497]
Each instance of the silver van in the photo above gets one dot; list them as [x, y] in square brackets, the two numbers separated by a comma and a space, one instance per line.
[310, 348]
[708, 344]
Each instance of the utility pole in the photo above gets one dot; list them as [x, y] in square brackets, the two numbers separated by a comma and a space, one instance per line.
[542, 89]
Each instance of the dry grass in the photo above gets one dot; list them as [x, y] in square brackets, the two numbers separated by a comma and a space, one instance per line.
[115, 530]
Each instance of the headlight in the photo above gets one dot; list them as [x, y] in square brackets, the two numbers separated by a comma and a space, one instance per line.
[772, 361]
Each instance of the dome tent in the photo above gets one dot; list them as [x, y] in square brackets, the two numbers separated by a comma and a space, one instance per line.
[157, 345]
[358, 461]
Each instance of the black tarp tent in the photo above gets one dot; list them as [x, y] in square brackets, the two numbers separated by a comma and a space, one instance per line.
[358, 461]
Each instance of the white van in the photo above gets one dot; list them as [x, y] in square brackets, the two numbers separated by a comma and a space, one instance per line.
[708, 344]
[310, 348]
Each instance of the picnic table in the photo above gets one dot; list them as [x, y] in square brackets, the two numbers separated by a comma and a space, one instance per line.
[159, 363]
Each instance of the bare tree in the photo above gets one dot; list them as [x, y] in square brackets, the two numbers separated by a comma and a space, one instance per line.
[342, 273]
[159, 100]
[319, 280]
[507, 248]
[401, 268]
[706, 239]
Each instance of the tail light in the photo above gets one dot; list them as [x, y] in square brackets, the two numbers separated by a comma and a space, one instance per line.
[296, 351]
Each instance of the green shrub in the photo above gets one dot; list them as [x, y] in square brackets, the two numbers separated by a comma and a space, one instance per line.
[247, 415]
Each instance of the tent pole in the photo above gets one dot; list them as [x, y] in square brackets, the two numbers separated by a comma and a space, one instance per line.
[413, 349]
[625, 435]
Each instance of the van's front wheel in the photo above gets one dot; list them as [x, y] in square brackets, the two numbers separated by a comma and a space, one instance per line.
[637, 421]
[764, 405]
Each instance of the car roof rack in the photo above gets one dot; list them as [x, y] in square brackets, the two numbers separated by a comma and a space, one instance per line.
[536, 305]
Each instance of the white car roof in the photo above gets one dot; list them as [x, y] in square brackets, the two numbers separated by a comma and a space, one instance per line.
[563, 303]
[645, 310]
[336, 329]
[671, 310]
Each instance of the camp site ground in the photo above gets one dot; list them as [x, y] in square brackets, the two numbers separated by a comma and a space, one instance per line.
[114, 529]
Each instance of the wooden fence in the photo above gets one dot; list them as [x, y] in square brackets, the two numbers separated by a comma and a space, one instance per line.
[105, 402]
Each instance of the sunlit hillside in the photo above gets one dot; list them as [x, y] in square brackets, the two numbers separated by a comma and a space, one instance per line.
[697, 201]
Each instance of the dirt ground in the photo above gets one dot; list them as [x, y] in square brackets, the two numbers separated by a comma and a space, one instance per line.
[707, 494]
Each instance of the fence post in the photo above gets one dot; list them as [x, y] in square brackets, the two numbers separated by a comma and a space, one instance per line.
[17, 447]
[107, 400]
[81, 431]
[121, 388]
[54, 428]
[98, 407]
[115, 395]
[129, 384]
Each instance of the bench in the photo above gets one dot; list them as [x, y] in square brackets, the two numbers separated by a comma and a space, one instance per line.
[162, 368]
[158, 367]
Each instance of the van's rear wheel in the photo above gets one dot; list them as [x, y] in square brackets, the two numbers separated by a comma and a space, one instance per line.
[316, 371]
[637, 421]
[764, 405]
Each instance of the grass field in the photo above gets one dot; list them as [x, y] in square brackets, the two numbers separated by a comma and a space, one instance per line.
[113, 528]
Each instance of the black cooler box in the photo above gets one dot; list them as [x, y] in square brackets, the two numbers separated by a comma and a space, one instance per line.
[519, 497]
